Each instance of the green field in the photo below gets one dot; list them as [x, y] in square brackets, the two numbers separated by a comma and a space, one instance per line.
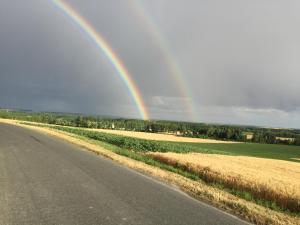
[271, 151]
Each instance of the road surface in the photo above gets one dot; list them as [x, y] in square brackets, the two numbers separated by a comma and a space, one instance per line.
[44, 180]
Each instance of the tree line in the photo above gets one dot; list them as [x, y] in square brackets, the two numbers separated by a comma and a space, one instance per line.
[187, 129]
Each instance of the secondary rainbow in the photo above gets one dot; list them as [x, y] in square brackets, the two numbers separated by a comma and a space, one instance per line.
[103, 45]
[176, 72]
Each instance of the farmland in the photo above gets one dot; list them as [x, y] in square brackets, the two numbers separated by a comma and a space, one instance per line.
[269, 151]
[281, 152]
[160, 137]
[273, 180]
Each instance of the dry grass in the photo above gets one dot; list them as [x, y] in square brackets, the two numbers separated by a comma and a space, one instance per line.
[160, 137]
[272, 180]
[221, 199]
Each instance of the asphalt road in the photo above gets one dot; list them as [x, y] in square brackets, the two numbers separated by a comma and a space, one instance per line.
[44, 180]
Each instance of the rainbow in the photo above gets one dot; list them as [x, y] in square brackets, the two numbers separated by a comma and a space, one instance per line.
[174, 67]
[103, 45]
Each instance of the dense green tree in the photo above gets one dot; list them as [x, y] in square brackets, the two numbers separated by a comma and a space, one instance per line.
[224, 132]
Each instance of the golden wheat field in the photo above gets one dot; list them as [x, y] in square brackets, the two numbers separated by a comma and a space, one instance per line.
[160, 137]
[278, 175]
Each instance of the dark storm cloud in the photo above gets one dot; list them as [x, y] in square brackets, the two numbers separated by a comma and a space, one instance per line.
[240, 59]
[240, 53]
[47, 64]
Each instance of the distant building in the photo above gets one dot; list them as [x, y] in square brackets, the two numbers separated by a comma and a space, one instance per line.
[178, 133]
[285, 139]
[249, 136]
[5, 110]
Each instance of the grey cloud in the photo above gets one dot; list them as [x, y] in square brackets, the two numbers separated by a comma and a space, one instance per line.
[240, 53]
[240, 59]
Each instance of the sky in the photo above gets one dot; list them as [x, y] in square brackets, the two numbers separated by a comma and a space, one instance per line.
[238, 59]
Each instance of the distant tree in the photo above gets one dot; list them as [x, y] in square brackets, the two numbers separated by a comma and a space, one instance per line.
[79, 121]
[297, 140]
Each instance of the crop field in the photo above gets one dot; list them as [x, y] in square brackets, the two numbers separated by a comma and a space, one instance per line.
[273, 180]
[160, 137]
[270, 151]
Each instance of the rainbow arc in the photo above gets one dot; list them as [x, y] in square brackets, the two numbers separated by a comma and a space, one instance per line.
[151, 27]
[108, 51]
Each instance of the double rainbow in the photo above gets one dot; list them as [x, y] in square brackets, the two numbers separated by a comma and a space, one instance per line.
[174, 68]
[103, 45]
